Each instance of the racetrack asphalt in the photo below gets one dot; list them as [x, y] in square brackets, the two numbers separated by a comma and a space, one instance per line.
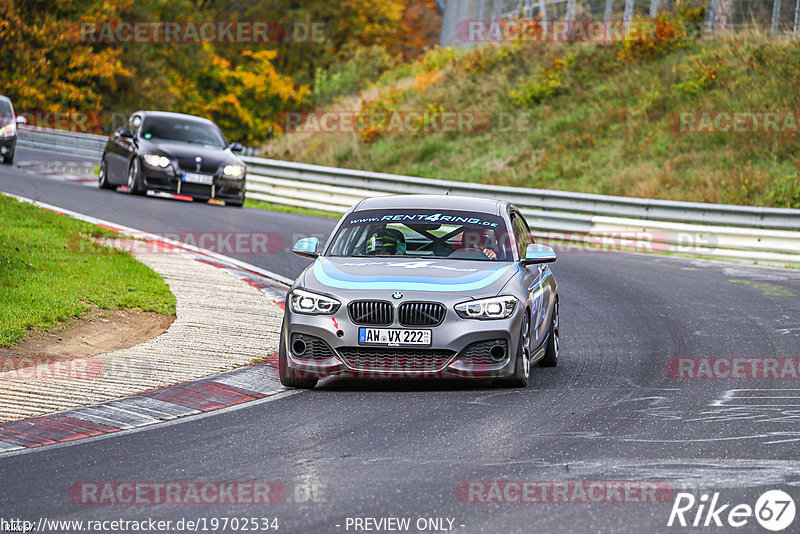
[609, 412]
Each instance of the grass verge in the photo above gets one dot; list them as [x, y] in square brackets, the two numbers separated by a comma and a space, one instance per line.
[250, 203]
[52, 270]
[594, 118]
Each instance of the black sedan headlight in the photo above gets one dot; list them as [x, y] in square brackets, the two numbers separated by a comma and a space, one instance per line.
[491, 308]
[233, 171]
[312, 303]
[158, 162]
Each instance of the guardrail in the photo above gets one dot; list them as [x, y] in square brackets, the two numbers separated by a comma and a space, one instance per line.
[767, 235]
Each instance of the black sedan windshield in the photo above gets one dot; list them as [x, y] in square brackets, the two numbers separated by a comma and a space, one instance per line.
[423, 233]
[6, 115]
[182, 131]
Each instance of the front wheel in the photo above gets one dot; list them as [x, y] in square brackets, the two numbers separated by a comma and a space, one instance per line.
[134, 178]
[551, 352]
[287, 376]
[522, 366]
[8, 159]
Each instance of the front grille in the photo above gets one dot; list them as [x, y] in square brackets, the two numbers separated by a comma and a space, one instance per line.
[189, 165]
[421, 314]
[478, 353]
[370, 312]
[195, 189]
[395, 360]
[316, 348]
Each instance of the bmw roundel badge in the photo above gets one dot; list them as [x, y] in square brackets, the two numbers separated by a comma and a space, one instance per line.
[397, 295]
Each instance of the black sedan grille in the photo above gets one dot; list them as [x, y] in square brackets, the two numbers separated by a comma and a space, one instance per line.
[195, 189]
[371, 312]
[395, 360]
[421, 314]
[189, 165]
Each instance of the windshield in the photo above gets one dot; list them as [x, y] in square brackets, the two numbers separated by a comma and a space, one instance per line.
[415, 233]
[6, 114]
[182, 131]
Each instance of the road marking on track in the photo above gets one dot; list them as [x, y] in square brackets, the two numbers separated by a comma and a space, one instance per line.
[770, 398]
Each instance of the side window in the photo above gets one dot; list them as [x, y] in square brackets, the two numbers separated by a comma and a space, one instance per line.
[134, 123]
[522, 237]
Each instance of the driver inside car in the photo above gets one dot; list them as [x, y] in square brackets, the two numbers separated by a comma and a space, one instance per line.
[479, 240]
[386, 242]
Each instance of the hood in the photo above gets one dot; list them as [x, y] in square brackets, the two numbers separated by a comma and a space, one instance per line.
[409, 274]
[184, 152]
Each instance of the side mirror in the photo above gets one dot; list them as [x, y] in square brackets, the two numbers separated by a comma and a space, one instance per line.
[307, 247]
[539, 254]
[21, 120]
[126, 134]
[236, 147]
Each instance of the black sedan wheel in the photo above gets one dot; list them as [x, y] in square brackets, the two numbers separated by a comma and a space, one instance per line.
[102, 177]
[134, 178]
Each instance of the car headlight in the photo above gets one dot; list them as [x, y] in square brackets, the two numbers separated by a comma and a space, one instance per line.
[233, 171]
[312, 303]
[9, 130]
[157, 161]
[493, 308]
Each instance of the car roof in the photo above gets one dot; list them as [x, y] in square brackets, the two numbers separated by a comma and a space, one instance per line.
[5, 98]
[170, 115]
[444, 202]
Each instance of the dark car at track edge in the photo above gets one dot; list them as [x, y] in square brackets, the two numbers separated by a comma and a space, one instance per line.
[9, 123]
[174, 155]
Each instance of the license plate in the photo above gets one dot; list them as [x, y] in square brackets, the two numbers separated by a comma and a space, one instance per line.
[195, 178]
[393, 337]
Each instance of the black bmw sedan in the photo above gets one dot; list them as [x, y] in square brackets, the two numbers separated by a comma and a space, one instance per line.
[173, 155]
[8, 130]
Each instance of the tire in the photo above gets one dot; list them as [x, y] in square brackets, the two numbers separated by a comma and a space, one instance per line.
[553, 342]
[287, 376]
[8, 159]
[134, 178]
[522, 365]
[102, 178]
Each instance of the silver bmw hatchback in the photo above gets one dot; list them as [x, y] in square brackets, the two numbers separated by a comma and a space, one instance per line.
[422, 286]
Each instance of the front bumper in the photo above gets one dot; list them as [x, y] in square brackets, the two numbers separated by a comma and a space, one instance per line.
[7, 145]
[170, 180]
[460, 348]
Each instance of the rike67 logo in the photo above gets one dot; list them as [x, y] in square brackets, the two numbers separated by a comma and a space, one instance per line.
[774, 510]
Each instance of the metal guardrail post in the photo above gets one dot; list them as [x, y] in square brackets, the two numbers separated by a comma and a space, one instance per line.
[570, 10]
[796, 28]
[776, 16]
[543, 13]
[628, 14]
[711, 16]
